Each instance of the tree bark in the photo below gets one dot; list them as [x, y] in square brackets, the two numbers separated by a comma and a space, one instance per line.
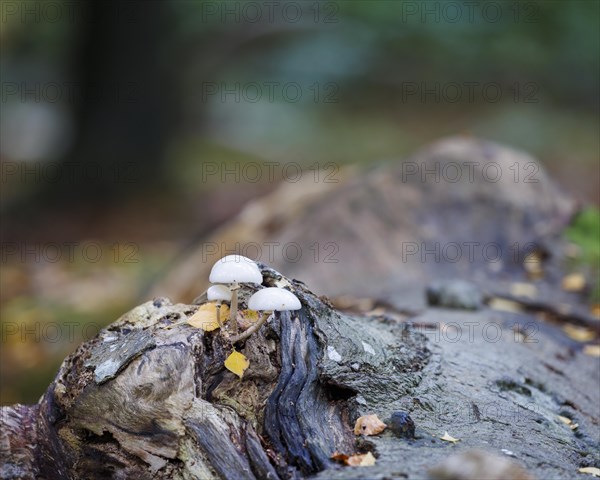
[145, 401]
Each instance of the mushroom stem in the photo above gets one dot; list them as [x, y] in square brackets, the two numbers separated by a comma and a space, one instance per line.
[234, 306]
[254, 328]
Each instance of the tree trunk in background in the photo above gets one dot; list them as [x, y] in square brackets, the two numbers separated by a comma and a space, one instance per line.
[122, 120]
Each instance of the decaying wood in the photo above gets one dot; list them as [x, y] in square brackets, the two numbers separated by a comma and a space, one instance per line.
[145, 401]
[142, 400]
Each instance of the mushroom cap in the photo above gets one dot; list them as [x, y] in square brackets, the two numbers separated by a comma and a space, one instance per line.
[218, 293]
[235, 268]
[237, 259]
[273, 298]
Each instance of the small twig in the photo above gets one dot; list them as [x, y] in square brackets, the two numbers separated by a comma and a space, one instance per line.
[254, 328]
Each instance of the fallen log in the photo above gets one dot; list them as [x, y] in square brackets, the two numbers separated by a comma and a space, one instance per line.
[147, 400]
[150, 397]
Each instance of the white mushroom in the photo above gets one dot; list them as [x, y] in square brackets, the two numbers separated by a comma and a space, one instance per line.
[218, 293]
[274, 298]
[233, 270]
[269, 300]
[237, 258]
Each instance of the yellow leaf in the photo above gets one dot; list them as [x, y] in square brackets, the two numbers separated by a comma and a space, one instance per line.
[591, 470]
[206, 317]
[448, 438]
[592, 350]
[595, 310]
[237, 363]
[579, 334]
[369, 425]
[574, 282]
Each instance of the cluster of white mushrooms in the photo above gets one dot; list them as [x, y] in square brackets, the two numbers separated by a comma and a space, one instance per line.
[227, 274]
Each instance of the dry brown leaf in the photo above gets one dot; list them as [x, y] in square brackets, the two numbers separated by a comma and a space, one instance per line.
[339, 457]
[580, 334]
[237, 363]
[592, 350]
[449, 438]
[595, 310]
[574, 282]
[361, 460]
[358, 460]
[369, 425]
[206, 316]
[591, 470]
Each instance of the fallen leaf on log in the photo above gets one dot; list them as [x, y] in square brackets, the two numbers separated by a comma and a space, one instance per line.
[369, 425]
[237, 363]
[592, 350]
[340, 457]
[363, 460]
[206, 317]
[359, 460]
[565, 420]
[579, 334]
[591, 470]
[449, 438]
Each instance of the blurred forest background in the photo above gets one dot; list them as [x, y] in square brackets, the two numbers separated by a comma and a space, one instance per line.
[114, 114]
